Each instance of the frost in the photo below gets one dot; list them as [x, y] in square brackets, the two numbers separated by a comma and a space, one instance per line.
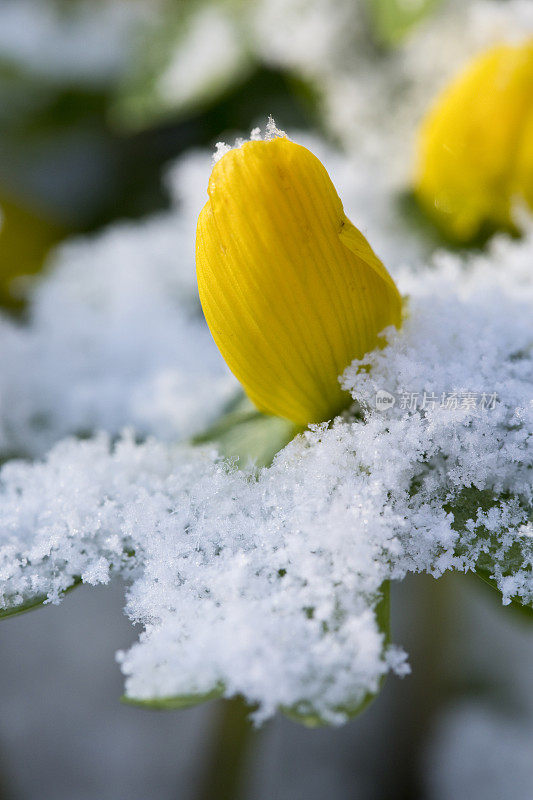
[271, 132]
[267, 583]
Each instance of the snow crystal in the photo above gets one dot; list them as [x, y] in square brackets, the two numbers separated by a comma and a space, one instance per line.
[268, 583]
[271, 132]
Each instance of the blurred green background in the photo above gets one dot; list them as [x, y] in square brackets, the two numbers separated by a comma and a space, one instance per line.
[87, 121]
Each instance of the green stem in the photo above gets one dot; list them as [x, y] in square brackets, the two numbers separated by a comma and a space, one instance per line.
[429, 688]
[233, 738]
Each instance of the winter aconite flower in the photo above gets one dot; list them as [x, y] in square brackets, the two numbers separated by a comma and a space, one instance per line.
[291, 290]
[476, 144]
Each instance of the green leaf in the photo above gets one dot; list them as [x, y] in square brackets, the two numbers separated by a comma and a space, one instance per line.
[393, 19]
[173, 703]
[526, 612]
[248, 435]
[33, 602]
[423, 226]
[303, 711]
[433, 235]
[495, 558]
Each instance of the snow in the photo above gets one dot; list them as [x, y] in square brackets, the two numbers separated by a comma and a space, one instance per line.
[266, 583]
[116, 335]
[269, 582]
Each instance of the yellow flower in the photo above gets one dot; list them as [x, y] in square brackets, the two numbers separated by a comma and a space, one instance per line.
[291, 290]
[476, 144]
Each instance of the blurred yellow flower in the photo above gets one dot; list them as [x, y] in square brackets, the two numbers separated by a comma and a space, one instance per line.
[475, 153]
[291, 290]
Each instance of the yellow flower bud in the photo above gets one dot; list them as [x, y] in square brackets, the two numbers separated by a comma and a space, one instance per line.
[291, 290]
[475, 154]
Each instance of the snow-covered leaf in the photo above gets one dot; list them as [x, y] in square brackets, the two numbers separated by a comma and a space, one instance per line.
[504, 557]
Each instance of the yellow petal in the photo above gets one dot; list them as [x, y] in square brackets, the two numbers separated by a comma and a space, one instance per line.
[468, 172]
[291, 291]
